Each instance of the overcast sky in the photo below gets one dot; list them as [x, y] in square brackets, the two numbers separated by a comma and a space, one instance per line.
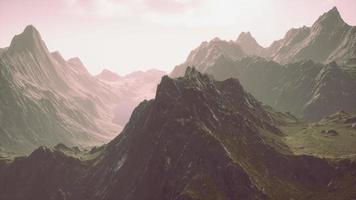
[129, 35]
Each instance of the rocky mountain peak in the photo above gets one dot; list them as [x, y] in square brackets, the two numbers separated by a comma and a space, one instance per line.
[194, 79]
[78, 65]
[107, 75]
[200, 87]
[29, 40]
[31, 31]
[249, 44]
[41, 152]
[171, 89]
[75, 60]
[58, 57]
[330, 19]
[191, 72]
[334, 12]
[216, 39]
[245, 36]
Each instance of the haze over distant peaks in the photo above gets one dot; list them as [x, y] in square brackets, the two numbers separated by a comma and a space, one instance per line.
[77, 65]
[328, 39]
[108, 75]
[294, 73]
[58, 57]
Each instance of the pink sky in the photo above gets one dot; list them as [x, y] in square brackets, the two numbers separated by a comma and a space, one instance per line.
[129, 35]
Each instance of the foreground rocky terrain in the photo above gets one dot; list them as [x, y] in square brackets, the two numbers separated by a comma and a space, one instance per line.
[204, 139]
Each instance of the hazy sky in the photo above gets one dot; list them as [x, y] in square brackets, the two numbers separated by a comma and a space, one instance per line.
[129, 35]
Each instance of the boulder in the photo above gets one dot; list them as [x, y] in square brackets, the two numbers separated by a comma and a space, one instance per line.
[353, 126]
[330, 132]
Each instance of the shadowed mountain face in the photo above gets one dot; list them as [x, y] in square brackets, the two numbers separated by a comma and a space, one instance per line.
[204, 139]
[45, 174]
[306, 89]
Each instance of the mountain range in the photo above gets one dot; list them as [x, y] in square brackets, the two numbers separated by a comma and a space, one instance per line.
[310, 72]
[328, 39]
[234, 121]
[46, 100]
[309, 90]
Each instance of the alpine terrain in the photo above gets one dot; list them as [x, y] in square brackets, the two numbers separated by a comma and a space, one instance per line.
[46, 100]
[310, 72]
[234, 121]
[204, 139]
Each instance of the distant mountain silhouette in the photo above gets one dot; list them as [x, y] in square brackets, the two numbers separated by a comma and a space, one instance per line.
[107, 75]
